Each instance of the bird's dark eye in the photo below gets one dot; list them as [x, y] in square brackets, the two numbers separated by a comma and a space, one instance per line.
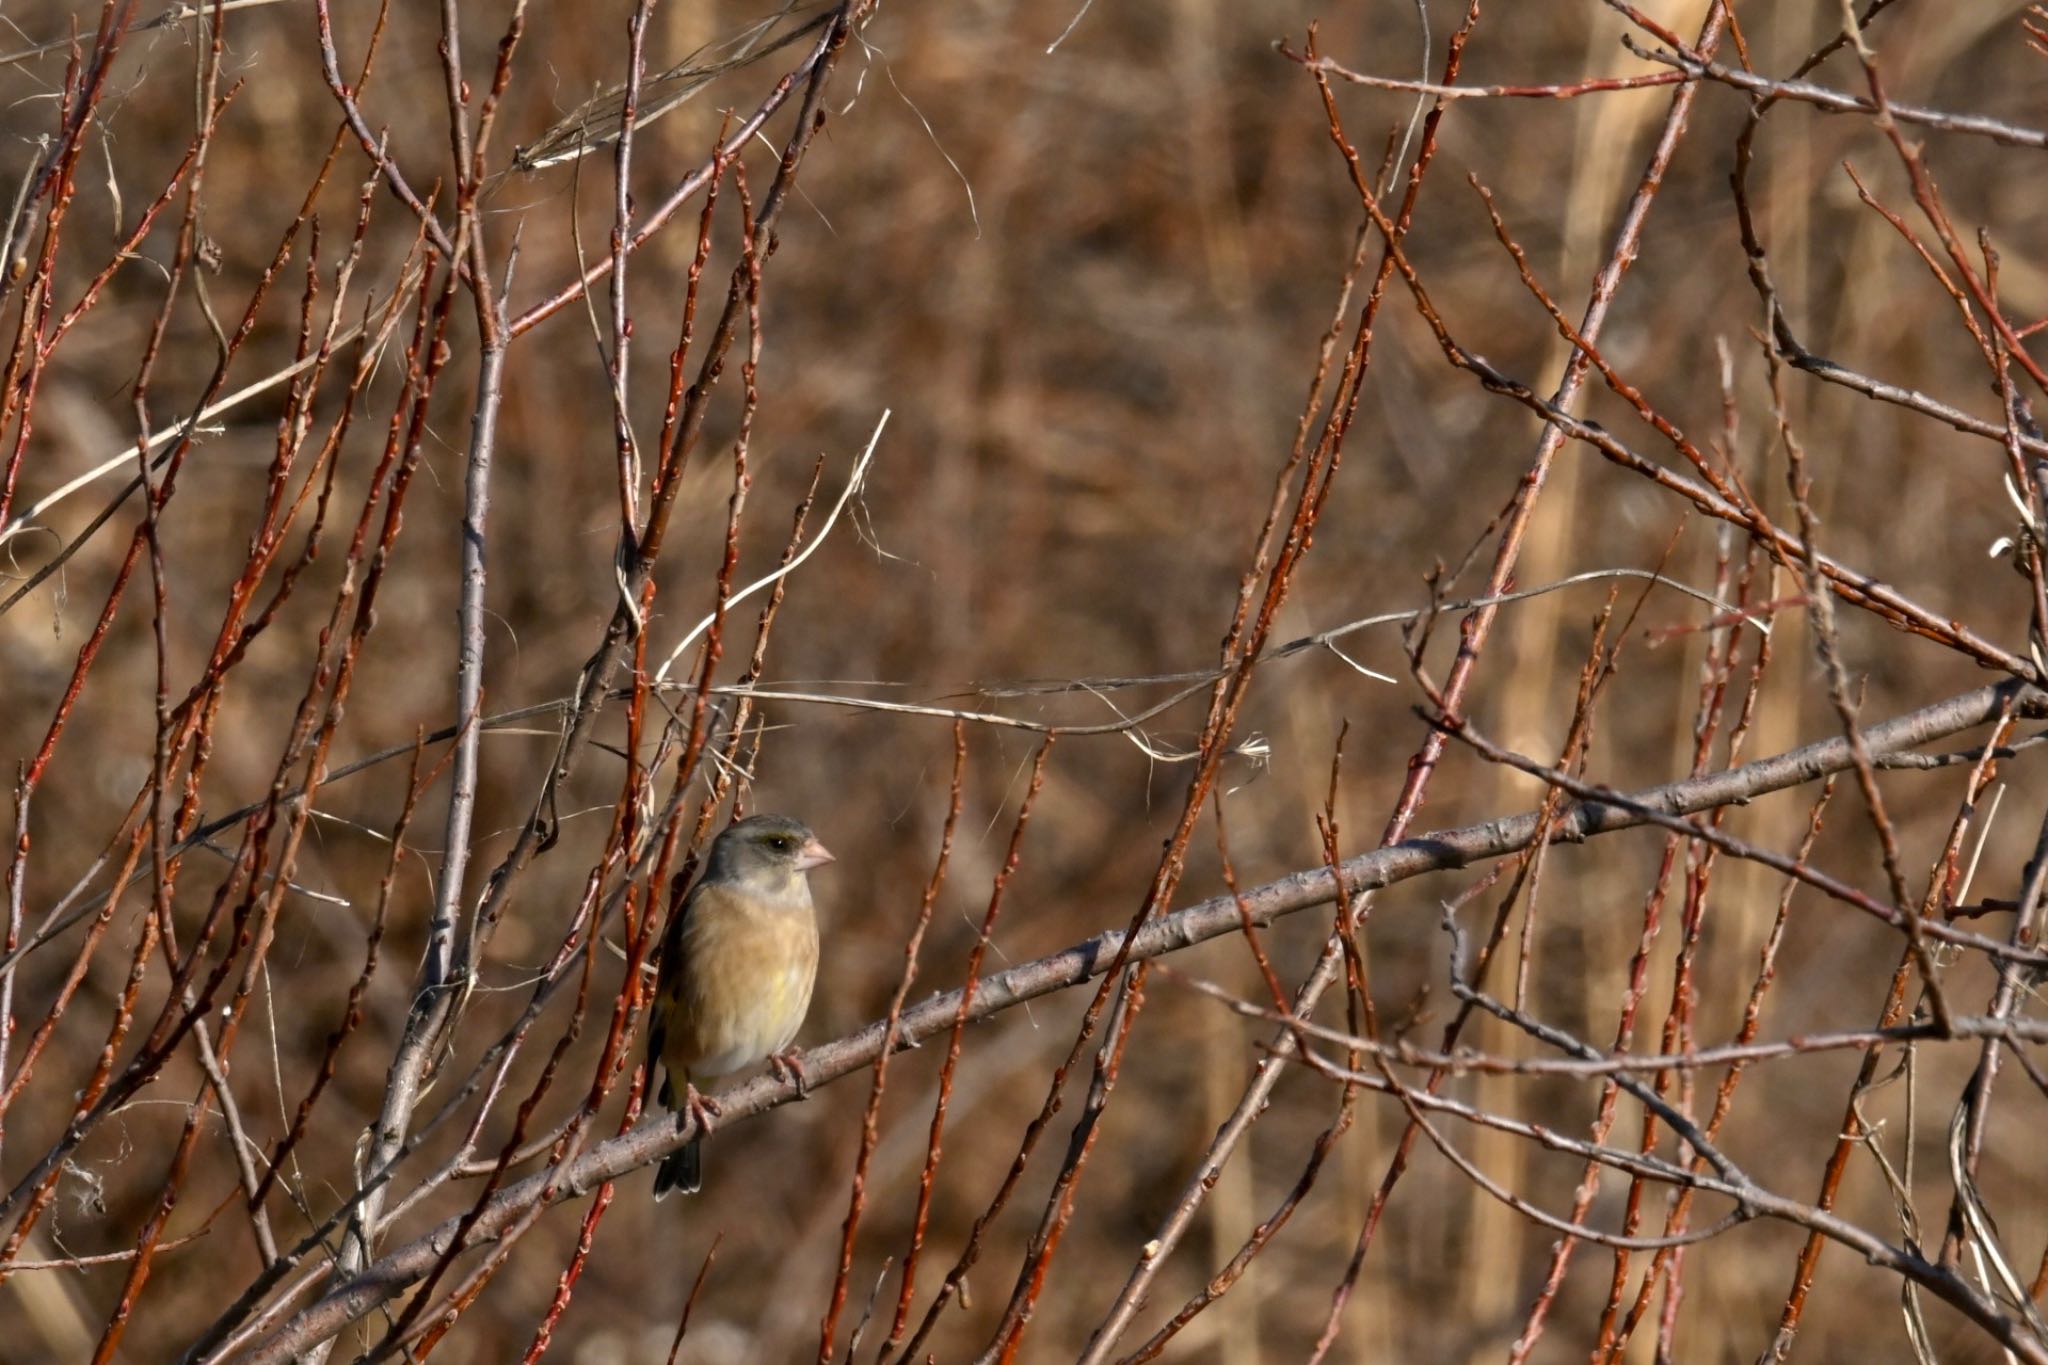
[781, 843]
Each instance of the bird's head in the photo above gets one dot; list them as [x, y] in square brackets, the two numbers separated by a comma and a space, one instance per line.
[770, 845]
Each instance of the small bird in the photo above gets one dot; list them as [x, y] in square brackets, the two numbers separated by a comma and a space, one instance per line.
[736, 973]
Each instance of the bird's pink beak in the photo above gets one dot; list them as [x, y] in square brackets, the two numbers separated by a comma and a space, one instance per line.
[812, 854]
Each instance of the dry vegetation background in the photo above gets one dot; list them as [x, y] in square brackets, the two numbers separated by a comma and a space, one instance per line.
[1091, 287]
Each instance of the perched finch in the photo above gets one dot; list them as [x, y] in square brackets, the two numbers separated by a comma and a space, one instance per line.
[736, 972]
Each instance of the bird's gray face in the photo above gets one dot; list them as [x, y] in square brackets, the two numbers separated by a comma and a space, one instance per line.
[767, 849]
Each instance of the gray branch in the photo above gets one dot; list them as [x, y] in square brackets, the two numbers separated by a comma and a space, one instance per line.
[1438, 851]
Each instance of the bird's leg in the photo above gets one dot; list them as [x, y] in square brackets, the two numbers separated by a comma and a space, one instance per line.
[788, 1067]
[700, 1107]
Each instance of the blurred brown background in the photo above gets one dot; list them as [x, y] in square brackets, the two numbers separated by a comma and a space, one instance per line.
[1088, 285]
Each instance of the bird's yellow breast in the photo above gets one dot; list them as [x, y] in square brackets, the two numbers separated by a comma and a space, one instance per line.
[741, 984]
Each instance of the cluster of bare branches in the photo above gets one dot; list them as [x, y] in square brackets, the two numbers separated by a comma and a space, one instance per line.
[331, 931]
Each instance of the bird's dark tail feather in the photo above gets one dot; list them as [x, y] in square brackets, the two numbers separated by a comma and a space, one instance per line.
[682, 1170]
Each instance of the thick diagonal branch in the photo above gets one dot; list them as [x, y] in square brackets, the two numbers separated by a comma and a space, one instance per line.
[391, 1274]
